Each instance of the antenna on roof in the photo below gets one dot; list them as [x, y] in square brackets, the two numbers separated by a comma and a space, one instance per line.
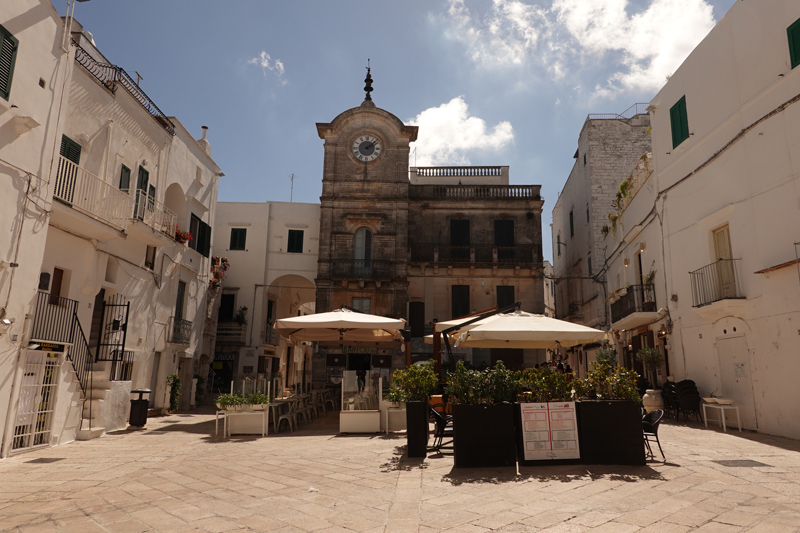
[291, 191]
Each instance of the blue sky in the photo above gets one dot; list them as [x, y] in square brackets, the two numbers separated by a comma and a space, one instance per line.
[489, 82]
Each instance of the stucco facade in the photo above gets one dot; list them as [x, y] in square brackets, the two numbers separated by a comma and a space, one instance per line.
[719, 215]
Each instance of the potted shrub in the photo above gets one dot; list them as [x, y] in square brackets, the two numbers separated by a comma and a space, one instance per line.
[415, 385]
[182, 236]
[483, 415]
[610, 417]
[257, 400]
[652, 359]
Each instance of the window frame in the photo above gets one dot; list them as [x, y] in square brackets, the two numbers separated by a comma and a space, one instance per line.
[125, 179]
[361, 300]
[241, 235]
[679, 122]
[462, 290]
[6, 36]
[292, 246]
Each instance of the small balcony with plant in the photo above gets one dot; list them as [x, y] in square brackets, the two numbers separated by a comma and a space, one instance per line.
[152, 221]
[633, 305]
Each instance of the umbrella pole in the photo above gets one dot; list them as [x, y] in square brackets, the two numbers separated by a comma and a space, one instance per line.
[437, 352]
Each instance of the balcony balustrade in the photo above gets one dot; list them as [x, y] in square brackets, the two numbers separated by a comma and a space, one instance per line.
[231, 333]
[180, 331]
[270, 336]
[474, 192]
[155, 214]
[363, 269]
[81, 190]
[476, 253]
[715, 282]
[638, 299]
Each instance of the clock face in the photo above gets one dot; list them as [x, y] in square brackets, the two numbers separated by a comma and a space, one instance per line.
[366, 148]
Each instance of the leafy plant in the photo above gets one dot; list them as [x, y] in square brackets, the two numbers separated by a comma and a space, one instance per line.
[256, 398]
[648, 278]
[414, 384]
[241, 316]
[604, 230]
[651, 357]
[607, 356]
[226, 401]
[502, 384]
[174, 384]
[607, 383]
[613, 218]
[546, 384]
[182, 236]
[494, 385]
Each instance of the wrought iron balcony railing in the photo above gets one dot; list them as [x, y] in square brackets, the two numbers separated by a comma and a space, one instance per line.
[363, 269]
[270, 336]
[180, 331]
[476, 253]
[715, 282]
[78, 188]
[155, 214]
[638, 299]
[231, 333]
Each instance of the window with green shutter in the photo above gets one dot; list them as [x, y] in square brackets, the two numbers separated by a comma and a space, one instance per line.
[295, 244]
[794, 42]
[679, 122]
[238, 238]
[125, 179]
[70, 150]
[8, 56]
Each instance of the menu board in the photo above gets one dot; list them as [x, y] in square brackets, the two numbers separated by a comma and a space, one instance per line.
[549, 431]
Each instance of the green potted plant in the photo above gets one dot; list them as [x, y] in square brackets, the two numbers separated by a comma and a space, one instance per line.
[483, 415]
[174, 384]
[609, 416]
[230, 402]
[415, 385]
[241, 316]
[258, 400]
[607, 355]
[652, 359]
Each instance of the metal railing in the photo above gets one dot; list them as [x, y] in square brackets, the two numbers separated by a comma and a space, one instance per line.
[632, 111]
[231, 333]
[458, 171]
[180, 331]
[270, 336]
[56, 320]
[638, 299]
[362, 268]
[715, 282]
[475, 253]
[155, 214]
[122, 366]
[474, 192]
[78, 188]
[111, 76]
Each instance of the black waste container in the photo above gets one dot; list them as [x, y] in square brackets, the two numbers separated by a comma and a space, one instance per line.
[139, 408]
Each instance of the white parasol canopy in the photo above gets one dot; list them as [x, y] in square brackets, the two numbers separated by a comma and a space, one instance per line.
[341, 325]
[526, 330]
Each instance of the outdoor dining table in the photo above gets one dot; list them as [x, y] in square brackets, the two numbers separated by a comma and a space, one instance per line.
[276, 405]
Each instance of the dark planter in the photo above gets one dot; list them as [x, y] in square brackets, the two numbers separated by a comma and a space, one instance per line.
[483, 435]
[610, 432]
[417, 428]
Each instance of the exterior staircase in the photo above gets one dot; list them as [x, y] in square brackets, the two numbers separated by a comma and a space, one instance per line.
[94, 401]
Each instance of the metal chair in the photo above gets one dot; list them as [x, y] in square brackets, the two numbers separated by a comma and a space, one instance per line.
[443, 427]
[650, 424]
[290, 416]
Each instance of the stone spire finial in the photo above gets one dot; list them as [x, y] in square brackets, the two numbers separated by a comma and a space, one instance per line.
[368, 87]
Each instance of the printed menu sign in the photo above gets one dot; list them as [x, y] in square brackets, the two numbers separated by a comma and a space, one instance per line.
[549, 431]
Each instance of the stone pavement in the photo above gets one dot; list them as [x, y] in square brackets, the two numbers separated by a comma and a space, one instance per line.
[176, 476]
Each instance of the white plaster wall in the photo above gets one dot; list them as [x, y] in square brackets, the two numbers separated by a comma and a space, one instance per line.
[24, 173]
[731, 80]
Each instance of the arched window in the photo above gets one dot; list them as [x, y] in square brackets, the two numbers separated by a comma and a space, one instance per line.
[362, 266]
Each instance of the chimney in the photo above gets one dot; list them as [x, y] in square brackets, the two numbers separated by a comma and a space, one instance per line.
[203, 142]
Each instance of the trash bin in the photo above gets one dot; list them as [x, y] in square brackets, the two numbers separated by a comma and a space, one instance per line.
[139, 408]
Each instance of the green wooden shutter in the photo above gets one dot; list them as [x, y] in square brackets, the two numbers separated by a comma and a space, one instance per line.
[794, 42]
[125, 179]
[679, 122]
[8, 56]
[70, 150]
[204, 239]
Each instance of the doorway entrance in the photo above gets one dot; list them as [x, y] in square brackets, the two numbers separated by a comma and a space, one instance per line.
[37, 398]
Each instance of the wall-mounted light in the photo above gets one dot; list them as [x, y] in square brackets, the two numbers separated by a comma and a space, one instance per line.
[145, 162]
[626, 262]
[642, 247]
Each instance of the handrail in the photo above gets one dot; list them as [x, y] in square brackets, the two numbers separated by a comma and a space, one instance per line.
[111, 75]
[473, 253]
[638, 299]
[715, 282]
[459, 171]
[180, 331]
[78, 188]
[483, 192]
[155, 214]
[632, 111]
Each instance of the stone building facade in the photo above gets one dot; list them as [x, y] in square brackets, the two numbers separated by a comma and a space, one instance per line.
[609, 146]
[424, 244]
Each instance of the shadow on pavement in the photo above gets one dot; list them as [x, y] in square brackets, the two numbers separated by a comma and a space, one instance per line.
[564, 474]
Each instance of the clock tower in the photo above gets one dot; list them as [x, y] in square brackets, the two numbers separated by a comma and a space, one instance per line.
[363, 242]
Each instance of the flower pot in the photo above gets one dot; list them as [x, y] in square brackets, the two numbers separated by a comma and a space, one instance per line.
[652, 400]
[417, 428]
[610, 432]
[483, 435]
[623, 292]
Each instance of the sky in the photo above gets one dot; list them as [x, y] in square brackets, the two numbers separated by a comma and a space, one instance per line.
[488, 82]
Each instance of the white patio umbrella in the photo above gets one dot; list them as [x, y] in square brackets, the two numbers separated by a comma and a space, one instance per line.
[526, 330]
[341, 325]
[446, 324]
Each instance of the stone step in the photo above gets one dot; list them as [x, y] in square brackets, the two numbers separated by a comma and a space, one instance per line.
[97, 405]
[96, 394]
[100, 381]
[88, 434]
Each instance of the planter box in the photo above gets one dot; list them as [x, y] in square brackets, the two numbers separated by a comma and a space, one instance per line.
[610, 432]
[483, 435]
[417, 428]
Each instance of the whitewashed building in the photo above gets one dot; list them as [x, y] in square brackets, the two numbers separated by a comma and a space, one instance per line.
[272, 249]
[719, 218]
[113, 300]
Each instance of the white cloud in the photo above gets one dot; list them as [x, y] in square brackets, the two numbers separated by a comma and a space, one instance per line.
[641, 48]
[268, 65]
[448, 131]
